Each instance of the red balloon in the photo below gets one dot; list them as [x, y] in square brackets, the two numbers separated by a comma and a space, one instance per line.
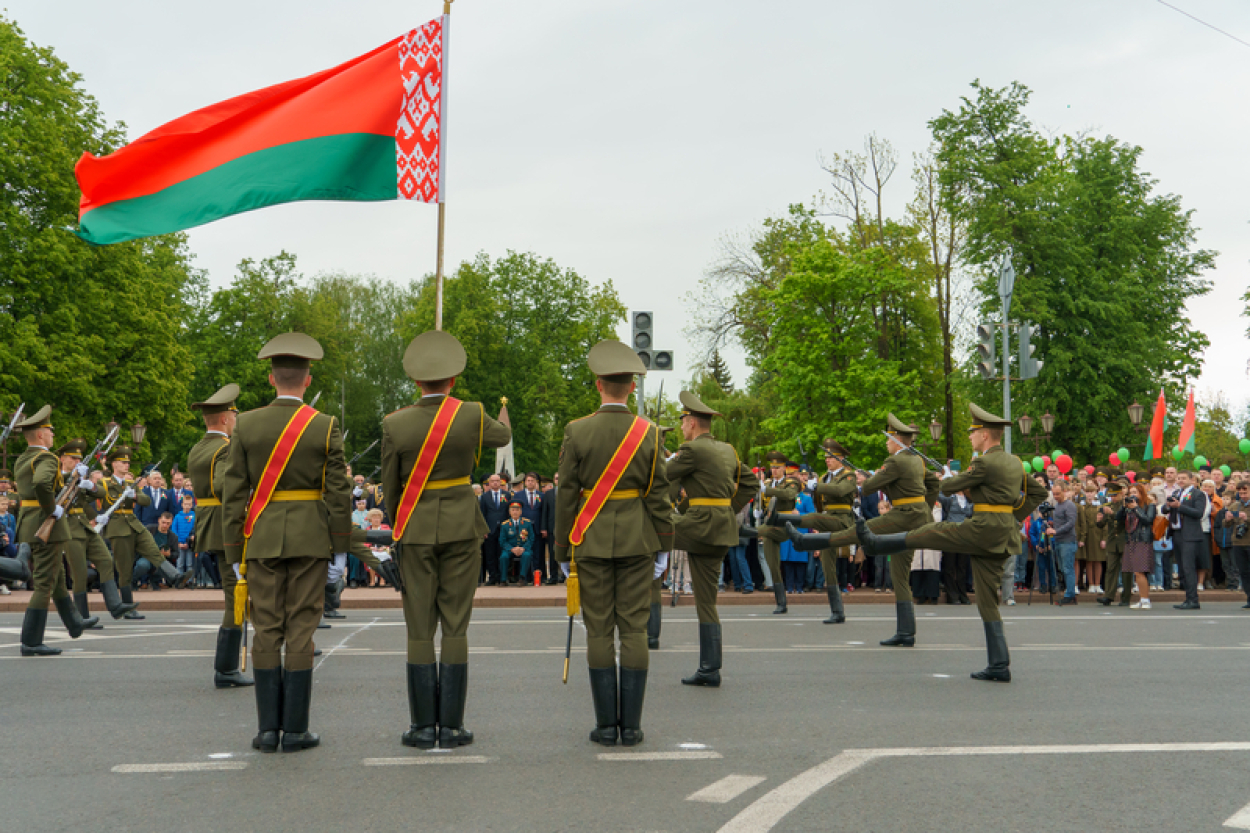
[1115, 459]
[1046, 459]
[1089, 469]
[1132, 476]
[1064, 462]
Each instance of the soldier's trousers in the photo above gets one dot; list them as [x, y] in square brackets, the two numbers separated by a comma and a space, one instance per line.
[125, 549]
[1113, 578]
[616, 603]
[47, 573]
[705, 570]
[228, 583]
[987, 574]
[288, 596]
[772, 537]
[899, 519]
[78, 551]
[439, 583]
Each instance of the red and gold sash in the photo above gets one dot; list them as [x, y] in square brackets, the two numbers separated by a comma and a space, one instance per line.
[428, 455]
[278, 458]
[607, 481]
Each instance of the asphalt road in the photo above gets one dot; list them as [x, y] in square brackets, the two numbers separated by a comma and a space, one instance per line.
[1116, 719]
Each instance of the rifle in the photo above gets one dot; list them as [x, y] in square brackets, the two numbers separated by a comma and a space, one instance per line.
[802, 451]
[678, 576]
[8, 429]
[313, 404]
[108, 513]
[345, 433]
[941, 469]
[375, 471]
[846, 461]
[69, 492]
[352, 462]
[154, 467]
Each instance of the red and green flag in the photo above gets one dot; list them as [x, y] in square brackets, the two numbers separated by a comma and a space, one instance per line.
[1158, 424]
[367, 130]
[1186, 441]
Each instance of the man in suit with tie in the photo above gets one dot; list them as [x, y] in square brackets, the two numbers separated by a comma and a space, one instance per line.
[1185, 509]
[161, 500]
[494, 503]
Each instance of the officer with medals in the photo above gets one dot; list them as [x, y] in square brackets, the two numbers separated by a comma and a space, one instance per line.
[903, 479]
[127, 536]
[429, 451]
[1002, 496]
[716, 486]
[835, 493]
[39, 482]
[206, 463]
[614, 525]
[85, 544]
[286, 510]
[781, 493]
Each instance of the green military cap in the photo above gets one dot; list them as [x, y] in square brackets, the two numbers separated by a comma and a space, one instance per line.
[1157, 472]
[833, 448]
[119, 454]
[897, 426]
[982, 418]
[41, 418]
[74, 448]
[691, 405]
[791, 466]
[291, 350]
[434, 356]
[775, 458]
[5, 474]
[1101, 473]
[222, 400]
[612, 358]
[790, 478]
[1115, 487]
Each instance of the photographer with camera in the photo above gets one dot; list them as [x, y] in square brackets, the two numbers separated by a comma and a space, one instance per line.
[1137, 518]
[1187, 512]
[1061, 530]
[1109, 518]
[1236, 514]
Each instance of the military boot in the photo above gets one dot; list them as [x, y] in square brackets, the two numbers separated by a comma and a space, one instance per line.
[268, 709]
[32, 634]
[874, 544]
[807, 541]
[996, 647]
[296, 702]
[113, 600]
[331, 608]
[16, 569]
[176, 579]
[80, 602]
[837, 610]
[128, 599]
[709, 657]
[779, 593]
[226, 662]
[633, 692]
[603, 692]
[905, 636]
[422, 706]
[453, 689]
[653, 627]
[71, 618]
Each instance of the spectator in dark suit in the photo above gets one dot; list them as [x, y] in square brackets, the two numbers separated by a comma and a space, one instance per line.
[547, 531]
[494, 503]
[1187, 513]
[162, 500]
[532, 510]
[178, 488]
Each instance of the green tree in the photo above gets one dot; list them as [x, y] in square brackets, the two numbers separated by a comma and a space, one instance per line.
[719, 371]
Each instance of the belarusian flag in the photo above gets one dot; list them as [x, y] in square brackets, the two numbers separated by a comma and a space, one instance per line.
[1158, 423]
[1186, 441]
[366, 130]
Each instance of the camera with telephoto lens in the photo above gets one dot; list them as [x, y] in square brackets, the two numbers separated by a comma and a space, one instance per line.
[1045, 511]
[1241, 530]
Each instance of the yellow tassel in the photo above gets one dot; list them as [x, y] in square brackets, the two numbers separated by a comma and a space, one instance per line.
[240, 601]
[573, 597]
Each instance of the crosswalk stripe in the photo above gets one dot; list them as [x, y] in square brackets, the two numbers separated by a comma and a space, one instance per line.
[726, 789]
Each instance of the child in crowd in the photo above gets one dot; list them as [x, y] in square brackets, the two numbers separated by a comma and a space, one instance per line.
[184, 531]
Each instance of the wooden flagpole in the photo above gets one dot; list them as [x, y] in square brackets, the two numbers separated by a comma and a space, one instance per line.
[442, 199]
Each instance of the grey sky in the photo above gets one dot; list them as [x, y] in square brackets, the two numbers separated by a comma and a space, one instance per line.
[623, 139]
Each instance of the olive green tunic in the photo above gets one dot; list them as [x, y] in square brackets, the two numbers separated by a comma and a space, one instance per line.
[781, 495]
[85, 545]
[708, 469]
[127, 536]
[837, 497]
[206, 463]
[1113, 527]
[1089, 537]
[615, 562]
[440, 553]
[37, 473]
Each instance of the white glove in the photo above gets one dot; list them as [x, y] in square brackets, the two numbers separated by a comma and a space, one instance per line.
[58, 512]
[81, 470]
[85, 485]
[382, 555]
[129, 493]
[564, 568]
[661, 564]
[237, 575]
[101, 520]
[358, 492]
[338, 566]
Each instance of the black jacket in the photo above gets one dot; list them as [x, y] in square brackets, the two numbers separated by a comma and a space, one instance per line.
[494, 514]
[1191, 510]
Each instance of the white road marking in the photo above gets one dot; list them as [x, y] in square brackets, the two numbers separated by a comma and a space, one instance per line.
[343, 642]
[726, 789]
[1240, 819]
[432, 759]
[691, 755]
[765, 812]
[198, 766]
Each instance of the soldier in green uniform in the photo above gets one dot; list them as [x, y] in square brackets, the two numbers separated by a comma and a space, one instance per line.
[1002, 496]
[716, 486]
[85, 543]
[620, 545]
[38, 484]
[654, 620]
[439, 536]
[206, 463]
[1110, 521]
[836, 494]
[781, 494]
[129, 537]
[305, 520]
[904, 480]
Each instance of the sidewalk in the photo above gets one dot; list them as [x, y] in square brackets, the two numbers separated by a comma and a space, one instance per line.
[365, 598]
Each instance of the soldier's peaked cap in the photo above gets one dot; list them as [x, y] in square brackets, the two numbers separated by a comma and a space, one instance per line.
[433, 356]
[776, 458]
[41, 418]
[692, 405]
[833, 447]
[222, 400]
[1115, 487]
[73, 448]
[982, 418]
[897, 426]
[612, 358]
[119, 453]
[292, 348]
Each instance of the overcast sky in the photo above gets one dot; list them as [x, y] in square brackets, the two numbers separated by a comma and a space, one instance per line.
[625, 139]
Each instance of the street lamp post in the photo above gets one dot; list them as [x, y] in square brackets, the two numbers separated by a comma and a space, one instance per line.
[1026, 429]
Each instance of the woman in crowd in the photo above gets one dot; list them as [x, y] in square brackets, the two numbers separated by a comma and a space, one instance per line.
[1213, 504]
[1091, 550]
[1137, 519]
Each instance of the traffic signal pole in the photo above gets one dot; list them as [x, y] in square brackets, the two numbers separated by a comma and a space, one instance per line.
[1006, 283]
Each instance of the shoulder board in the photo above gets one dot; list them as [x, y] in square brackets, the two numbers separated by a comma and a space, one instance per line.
[401, 410]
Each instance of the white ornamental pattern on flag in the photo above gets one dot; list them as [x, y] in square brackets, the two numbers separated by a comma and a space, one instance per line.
[418, 133]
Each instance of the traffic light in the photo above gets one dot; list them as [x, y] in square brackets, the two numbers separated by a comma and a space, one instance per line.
[643, 330]
[662, 360]
[1029, 366]
[985, 350]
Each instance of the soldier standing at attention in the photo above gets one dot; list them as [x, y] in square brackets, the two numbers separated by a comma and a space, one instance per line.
[38, 483]
[286, 509]
[614, 524]
[1002, 495]
[84, 543]
[903, 479]
[782, 493]
[206, 462]
[717, 485]
[836, 491]
[429, 451]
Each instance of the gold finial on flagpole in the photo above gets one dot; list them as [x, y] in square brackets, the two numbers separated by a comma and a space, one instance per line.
[447, 6]
[503, 400]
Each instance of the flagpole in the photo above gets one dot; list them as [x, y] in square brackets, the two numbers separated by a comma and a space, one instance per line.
[442, 204]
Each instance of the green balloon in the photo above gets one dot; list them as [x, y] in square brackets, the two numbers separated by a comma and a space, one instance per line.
[1038, 464]
[1056, 454]
[1244, 446]
[1177, 453]
[1123, 452]
[1228, 472]
[1027, 468]
[1199, 462]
